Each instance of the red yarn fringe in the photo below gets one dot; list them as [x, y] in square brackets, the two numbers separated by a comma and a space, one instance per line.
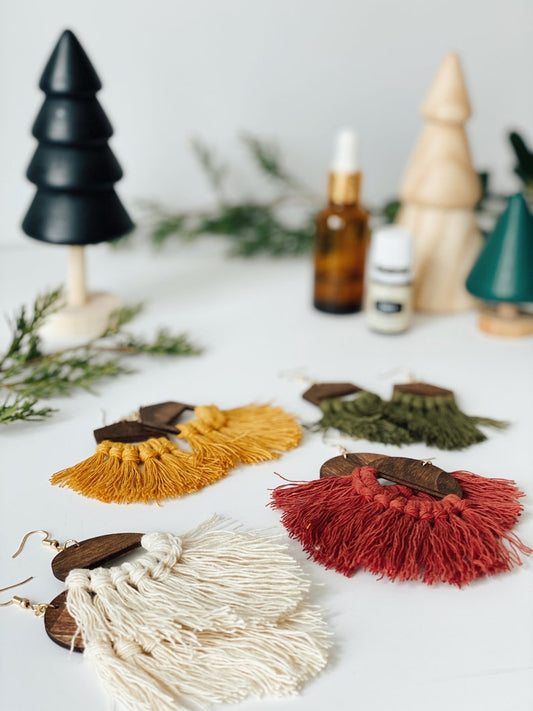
[352, 522]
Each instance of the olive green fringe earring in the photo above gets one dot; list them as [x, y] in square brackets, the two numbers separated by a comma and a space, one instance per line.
[431, 415]
[363, 417]
[417, 412]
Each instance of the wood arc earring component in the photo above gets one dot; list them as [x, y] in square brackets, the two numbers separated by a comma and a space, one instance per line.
[94, 552]
[423, 389]
[414, 473]
[155, 421]
[163, 415]
[60, 626]
[323, 391]
[128, 431]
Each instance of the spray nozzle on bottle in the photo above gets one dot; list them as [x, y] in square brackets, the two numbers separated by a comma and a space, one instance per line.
[346, 155]
[344, 174]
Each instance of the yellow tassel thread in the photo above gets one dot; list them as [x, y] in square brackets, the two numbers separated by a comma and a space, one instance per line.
[158, 469]
[251, 434]
[172, 471]
[112, 468]
[150, 471]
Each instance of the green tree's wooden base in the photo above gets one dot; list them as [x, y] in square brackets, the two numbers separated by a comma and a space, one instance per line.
[509, 324]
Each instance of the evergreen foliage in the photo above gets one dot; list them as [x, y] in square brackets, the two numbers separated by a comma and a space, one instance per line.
[29, 374]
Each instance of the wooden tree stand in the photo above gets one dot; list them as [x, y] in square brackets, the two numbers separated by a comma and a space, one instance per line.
[86, 314]
[506, 320]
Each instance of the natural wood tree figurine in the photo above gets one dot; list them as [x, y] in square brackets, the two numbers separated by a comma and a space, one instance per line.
[75, 170]
[438, 193]
[503, 274]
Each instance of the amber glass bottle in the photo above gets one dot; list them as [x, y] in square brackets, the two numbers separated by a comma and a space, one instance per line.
[341, 235]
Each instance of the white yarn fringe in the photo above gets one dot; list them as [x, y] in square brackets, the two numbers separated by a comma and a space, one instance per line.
[209, 617]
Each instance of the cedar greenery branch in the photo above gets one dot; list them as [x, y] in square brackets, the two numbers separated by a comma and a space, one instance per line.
[29, 375]
[253, 226]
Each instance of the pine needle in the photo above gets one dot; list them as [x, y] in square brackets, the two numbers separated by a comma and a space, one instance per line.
[28, 374]
[252, 227]
[19, 408]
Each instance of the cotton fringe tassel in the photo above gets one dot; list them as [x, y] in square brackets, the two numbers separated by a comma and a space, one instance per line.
[362, 417]
[150, 471]
[352, 522]
[251, 434]
[437, 420]
[211, 617]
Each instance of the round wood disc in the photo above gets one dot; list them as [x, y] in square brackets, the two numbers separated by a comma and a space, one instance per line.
[60, 626]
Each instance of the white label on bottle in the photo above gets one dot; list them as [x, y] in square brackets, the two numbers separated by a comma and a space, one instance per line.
[388, 307]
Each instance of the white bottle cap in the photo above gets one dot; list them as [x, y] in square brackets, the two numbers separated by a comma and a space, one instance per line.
[391, 255]
[346, 156]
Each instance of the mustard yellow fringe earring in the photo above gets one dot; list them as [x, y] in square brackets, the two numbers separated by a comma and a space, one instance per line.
[247, 435]
[136, 462]
[149, 471]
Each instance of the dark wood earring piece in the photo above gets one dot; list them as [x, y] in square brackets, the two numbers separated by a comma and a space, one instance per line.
[163, 415]
[128, 431]
[155, 421]
[423, 389]
[323, 391]
[414, 473]
[94, 552]
[60, 626]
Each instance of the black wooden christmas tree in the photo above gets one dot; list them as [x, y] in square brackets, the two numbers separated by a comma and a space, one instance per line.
[75, 170]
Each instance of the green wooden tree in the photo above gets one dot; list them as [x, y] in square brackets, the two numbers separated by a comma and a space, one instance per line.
[503, 272]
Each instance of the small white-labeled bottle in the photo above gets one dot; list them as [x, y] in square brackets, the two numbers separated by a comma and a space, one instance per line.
[389, 275]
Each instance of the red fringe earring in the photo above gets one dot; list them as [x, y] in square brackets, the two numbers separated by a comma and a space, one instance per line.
[348, 520]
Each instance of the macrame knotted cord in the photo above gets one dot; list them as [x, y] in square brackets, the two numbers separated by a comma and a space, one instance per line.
[350, 522]
[362, 417]
[407, 417]
[210, 617]
[159, 469]
[437, 420]
[248, 435]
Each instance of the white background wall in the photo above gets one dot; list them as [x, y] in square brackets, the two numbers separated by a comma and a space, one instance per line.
[292, 70]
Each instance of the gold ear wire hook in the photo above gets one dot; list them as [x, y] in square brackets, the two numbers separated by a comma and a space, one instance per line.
[23, 542]
[10, 587]
[38, 608]
[47, 541]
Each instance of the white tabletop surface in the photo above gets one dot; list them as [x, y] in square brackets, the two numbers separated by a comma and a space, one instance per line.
[402, 646]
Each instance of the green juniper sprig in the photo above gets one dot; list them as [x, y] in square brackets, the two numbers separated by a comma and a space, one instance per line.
[164, 343]
[28, 374]
[252, 226]
[19, 407]
[267, 158]
[25, 344]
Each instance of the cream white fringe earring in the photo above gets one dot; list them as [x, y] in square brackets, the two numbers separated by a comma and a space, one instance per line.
[212, 616]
